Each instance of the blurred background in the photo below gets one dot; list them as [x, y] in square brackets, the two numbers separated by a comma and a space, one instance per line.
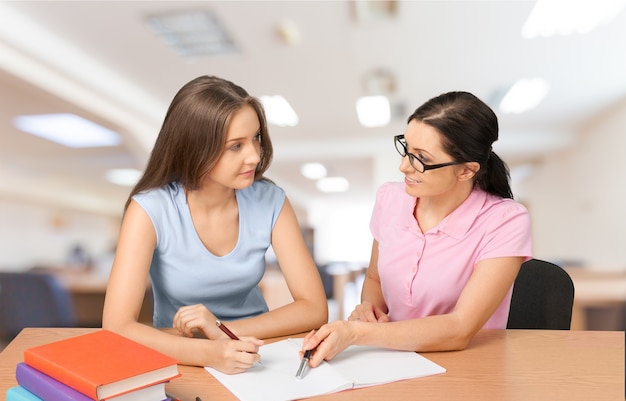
[559, 92]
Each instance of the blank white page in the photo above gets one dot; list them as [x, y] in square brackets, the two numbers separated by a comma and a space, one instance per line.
[357, 366]
[275, 378]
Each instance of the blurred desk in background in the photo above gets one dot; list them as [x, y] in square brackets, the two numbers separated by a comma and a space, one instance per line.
[599, 295]
[347, 280]
[274, 288]
[88, 290]
[599, 299]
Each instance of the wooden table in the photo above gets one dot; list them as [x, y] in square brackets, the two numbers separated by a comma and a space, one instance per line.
[499, 365]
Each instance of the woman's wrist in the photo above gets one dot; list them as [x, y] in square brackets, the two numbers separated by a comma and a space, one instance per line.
[358, 330]
[210, 352]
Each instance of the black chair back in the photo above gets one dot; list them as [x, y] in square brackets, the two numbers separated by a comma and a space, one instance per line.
[543, 296]
[33, 300]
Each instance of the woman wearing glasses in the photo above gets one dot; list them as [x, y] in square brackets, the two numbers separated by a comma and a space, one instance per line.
[448, 241]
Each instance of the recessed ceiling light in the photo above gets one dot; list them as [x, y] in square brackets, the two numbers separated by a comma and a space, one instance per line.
[366, 11]
[124, 176]
[373, 111]
[333, 184]
[549, 17]
[193, 33]
[524, 95]
[289, 32]
[67, 129]
[313, 171]
[279, 112]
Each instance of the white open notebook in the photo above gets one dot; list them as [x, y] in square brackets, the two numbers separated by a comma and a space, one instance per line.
[358, 366]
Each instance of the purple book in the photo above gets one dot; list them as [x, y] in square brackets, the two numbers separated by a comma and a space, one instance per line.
[44, 386]
[49, 389]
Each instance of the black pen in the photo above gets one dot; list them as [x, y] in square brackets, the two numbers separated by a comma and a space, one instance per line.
[303, 363]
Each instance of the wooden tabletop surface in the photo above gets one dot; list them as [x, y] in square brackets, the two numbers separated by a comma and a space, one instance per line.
[498, 365]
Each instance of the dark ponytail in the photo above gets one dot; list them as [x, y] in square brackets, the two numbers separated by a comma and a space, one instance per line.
[469, 127]
[494, 177]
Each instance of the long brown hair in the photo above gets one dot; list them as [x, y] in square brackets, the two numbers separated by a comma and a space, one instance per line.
[193, 134]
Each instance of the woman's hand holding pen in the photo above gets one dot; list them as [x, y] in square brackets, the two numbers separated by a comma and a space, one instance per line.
[236, 356]
[256, 342]
[228, 353]
[330, 340]
[334, 337]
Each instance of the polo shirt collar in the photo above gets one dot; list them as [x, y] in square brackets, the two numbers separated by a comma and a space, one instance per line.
[458, 223]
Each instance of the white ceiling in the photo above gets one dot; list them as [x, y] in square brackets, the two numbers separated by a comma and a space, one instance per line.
[100, 60]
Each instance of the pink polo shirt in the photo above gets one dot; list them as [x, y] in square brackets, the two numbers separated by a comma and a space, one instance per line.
[423, 274]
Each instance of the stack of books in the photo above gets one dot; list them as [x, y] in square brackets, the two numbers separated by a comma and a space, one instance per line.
[96, 366]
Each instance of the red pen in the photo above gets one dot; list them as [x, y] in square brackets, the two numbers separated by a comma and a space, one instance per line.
[225, 329]
[229, 333]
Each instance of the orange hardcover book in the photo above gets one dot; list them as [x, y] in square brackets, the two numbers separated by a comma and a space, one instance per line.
[102, 364]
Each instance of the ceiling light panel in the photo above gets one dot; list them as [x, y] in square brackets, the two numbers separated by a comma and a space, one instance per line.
[279, 112]
[373, 111]
[524, 95]
[313, 171]
[67, 129]
[333, 184]
[193, 33]
[124, 176]
[567, 17]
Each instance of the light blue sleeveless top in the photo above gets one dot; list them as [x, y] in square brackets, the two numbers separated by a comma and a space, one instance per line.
[184, 272]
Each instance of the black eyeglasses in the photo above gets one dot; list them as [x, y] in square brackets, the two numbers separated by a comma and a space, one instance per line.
[415, 162]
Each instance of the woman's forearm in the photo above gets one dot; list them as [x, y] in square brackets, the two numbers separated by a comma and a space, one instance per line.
[433, 333]
[296, 317]
[188, 351]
